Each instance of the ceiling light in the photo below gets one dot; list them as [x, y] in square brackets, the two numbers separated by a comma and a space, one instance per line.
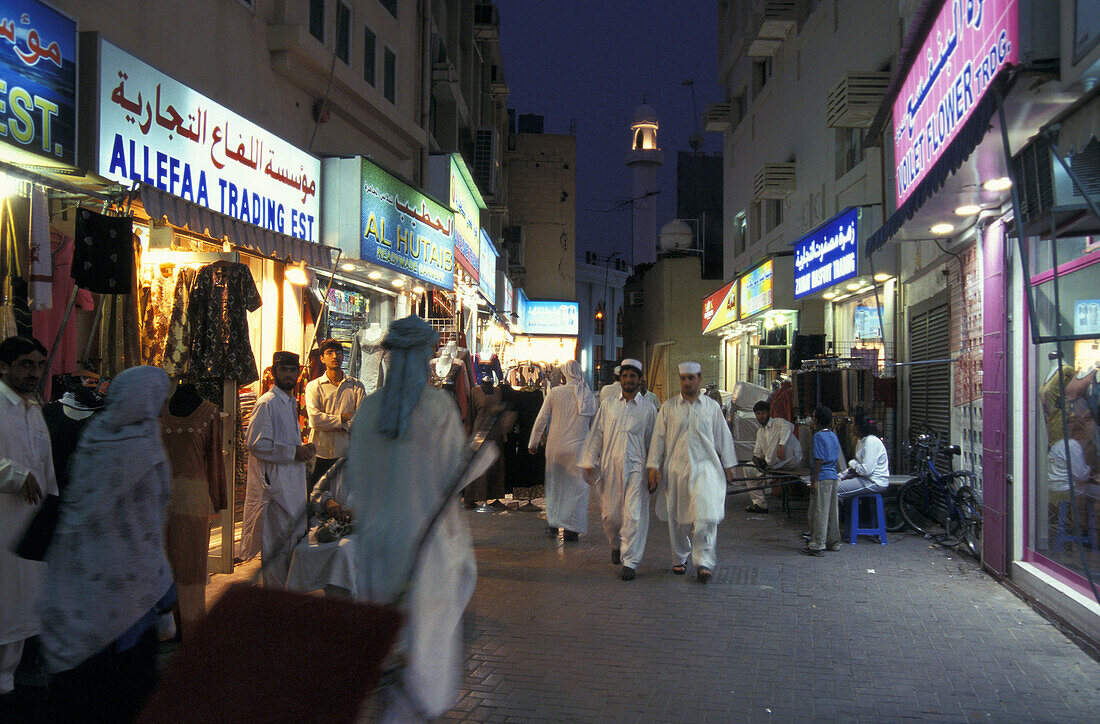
[829, 295]
[880, 277]
[418, 289]
[853, 286]
[998, 184]
[968, 210]
[942, 229]
[296, 274]
[398, 282]
[375, 275]
[348, 267]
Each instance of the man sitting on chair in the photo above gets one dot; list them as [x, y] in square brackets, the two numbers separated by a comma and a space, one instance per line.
[777, 448]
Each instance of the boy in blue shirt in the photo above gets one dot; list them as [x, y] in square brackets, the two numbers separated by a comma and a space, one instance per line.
[824, 506]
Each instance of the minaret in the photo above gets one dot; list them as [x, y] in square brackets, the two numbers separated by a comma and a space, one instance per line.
[644, 157]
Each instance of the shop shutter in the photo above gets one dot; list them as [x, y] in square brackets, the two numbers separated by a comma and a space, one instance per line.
[930, 384]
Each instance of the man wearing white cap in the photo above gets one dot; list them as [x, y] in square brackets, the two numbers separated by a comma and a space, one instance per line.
[617, 446]
[692, 451]
[613, 390]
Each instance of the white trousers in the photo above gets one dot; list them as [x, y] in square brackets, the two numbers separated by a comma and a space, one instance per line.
[760, 497]
[698, 540]
[626, 522]
[10, 654]
[281, 533]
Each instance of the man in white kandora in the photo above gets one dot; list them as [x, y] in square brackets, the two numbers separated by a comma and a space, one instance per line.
[568, 411]
[869, 470]
[617, 446]
[692, 452]
[407, 444]
[777, 448]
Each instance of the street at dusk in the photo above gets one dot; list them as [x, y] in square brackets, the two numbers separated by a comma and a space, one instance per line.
[497, 360]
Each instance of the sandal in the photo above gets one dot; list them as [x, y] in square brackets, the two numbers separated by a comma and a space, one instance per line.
[703, 574]
[680, 569]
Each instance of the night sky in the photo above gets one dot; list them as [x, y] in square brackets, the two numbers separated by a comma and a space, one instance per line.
[593, 62]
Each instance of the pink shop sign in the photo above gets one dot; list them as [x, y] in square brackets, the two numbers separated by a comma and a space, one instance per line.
[970, 42]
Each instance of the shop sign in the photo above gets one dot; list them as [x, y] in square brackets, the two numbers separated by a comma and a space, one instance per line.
[756, 290]
[452, 180]
[404, 230]
[555, 318]
[521, 309]
[487, 271]
[1086, 317]
[867, 324]
[509, 297]
[157, 131]
[720, 308]
[37, 81]
[969, 43]
[827, 255]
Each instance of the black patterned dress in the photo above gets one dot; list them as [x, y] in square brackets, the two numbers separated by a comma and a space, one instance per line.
[221, 297]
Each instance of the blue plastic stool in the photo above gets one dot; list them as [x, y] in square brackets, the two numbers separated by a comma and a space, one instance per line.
[1063, 536]
[879, 529]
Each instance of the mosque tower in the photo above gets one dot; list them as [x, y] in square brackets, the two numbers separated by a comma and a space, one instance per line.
[645, 158]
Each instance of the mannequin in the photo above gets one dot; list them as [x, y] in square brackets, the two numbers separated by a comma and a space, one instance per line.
[487, 362]
[490, 486]
[65, 420]
[367, 362]
[448, 374]
[184, 400]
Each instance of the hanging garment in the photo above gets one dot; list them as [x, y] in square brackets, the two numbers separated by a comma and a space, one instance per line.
[103, 259]
[221, 296]
[490, 366]
[453, 380]
[367, 354]
[47, 323]
[530, 467]
[41, 268]
[489, 486]
[194, 446]
[177, 344]
[64, 435]
[158, 291]
[782, 403]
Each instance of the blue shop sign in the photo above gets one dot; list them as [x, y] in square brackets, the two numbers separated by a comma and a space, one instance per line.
[405, 230]
[827, 255]
[37, 82]
[553, 318]
[487, 268]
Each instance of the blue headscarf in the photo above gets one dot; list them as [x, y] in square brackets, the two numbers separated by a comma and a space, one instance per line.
[410, 342]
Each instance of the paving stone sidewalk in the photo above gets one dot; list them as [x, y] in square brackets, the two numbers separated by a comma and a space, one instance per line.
[871, 633]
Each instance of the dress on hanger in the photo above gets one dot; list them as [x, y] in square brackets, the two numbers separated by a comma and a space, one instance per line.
[489, 486]
[222, 295]
[483, 366]
[177, 343]
[453, 380]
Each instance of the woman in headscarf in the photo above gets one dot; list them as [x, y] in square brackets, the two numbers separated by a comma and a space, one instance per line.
[407, 447]
[568, 411]
[108, 574]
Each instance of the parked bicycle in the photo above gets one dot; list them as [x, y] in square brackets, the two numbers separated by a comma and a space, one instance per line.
[942, 504]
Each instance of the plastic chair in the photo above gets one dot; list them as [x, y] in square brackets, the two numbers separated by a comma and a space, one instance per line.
[879, 527]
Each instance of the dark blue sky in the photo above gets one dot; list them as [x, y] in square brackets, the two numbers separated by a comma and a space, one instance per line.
[593, 62]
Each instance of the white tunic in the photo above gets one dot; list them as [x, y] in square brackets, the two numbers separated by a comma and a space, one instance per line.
[610, 392]
[691, 447]
[618, 445]
[768, 439]
[566, 491]
[872, 462]
[24, 447]
[274, 477]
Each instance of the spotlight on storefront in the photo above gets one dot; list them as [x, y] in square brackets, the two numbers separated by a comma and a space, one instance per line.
[398, 282]
[348, 267]
[296, 274]
[853, 286]
[227, 248]
[968, 210]
[376, 275]
[9, 186]
[942, 229]
[829, 295]
[1004, 183]
[880, 277]
[418, 289]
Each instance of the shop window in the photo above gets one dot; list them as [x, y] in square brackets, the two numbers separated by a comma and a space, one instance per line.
[343, 32]
[391, 6]
[370, 52]
[317, 19]
[600, 323]
[849, 149]
[389, 80]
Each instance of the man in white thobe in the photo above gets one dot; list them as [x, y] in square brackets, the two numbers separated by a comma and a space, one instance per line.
[26, 476]
[617, 447]
[692, 452]
[650, 395]
[275, 517]
[567, 412]
[613, 390]
[777, 448]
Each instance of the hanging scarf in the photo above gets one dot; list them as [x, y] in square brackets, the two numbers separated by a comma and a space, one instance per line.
[410, 342]
[586, 401]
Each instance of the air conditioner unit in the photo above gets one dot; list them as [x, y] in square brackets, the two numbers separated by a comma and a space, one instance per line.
[855, 100]
[1047, 191]
[634, 299]
[768, 27]
[718, 117]
[774, 181]
[486, 159]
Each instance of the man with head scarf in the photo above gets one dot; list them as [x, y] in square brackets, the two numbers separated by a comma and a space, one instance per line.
[407, 449]
[275, 516]
[26, 476]
[617, 446]
[567, 412]
[108, 573]
[692, 452]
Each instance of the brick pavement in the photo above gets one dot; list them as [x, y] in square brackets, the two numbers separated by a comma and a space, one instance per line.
[870, 633]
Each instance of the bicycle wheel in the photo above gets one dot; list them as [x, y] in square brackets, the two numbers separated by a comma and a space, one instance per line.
[916, 500]
[894, 520]
[966, 522]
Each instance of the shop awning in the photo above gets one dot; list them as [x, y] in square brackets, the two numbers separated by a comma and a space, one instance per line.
[960, 148]
[201, 220]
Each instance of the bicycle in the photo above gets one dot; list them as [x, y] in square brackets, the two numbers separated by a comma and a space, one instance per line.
[942, 505]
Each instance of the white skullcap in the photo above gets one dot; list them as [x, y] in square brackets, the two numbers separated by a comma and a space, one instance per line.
[618, 369]
[632, 363]
[691, 368]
